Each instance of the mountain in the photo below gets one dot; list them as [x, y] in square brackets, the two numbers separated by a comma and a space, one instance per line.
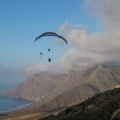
[37, 87]
[56, 92]
[81, 85]
[104, 106]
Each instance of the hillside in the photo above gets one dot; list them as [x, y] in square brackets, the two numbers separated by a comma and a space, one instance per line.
[86, 84]
[99, 107]
[103, 106]
[58, 92]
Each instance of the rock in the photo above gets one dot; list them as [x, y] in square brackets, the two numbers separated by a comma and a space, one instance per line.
[116, 115]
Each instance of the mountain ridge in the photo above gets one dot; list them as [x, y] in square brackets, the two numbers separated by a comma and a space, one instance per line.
[103, 106]
[76, 87]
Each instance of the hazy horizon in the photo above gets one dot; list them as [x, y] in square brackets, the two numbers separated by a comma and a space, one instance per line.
[90, 27]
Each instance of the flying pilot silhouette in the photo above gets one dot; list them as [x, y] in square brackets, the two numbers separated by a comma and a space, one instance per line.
[49, 49]
[41, 53]
[49, 59]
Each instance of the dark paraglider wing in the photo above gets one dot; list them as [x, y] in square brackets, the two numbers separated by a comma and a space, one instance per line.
[63, 38]
[51, 34]
[47, 34]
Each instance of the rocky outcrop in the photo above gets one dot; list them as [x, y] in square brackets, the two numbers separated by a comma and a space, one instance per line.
[116, 115]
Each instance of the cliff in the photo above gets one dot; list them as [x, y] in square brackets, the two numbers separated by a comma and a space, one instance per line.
[103, 106]
[37, 87]
[56, 92]
[79, 86]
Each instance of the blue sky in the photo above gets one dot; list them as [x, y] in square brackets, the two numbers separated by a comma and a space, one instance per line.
[21, 21]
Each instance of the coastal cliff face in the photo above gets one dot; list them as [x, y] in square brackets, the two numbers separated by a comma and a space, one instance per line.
[82, 85]
[37, 87]
[103, 106]
[55, 92]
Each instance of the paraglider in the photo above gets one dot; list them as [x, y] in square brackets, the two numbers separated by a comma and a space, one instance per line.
[41, 53]
[51, 34]
[49, 49]
[49, 59]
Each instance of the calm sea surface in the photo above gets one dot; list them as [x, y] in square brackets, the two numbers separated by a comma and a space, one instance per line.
[9, 104]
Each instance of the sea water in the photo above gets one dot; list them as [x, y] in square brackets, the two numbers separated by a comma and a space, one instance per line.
[9, 104]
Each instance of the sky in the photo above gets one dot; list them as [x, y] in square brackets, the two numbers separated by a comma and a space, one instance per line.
[91, 27]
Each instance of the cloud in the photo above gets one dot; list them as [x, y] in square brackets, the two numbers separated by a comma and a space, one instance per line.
[41, 68]
[98, 47]
[107, 12]
[38, 68]
[87, 48]
[75, 33]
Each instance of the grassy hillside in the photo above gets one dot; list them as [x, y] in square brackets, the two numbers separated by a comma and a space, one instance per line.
[99, 107]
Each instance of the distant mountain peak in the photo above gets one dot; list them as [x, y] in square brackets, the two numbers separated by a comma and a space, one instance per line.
[100, 67]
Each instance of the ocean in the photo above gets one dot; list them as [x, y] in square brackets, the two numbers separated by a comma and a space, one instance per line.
[9, 104]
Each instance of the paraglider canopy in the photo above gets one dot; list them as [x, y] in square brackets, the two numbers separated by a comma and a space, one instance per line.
[51, 34]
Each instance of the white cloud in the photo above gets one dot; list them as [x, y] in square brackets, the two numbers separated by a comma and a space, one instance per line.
[87, 49]
[40, 68]
[107, 12]
[96, 47]
[76, 34]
